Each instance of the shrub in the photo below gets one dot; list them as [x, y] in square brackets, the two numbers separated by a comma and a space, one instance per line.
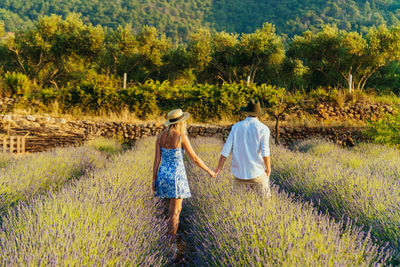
[93, 96]
[16, 84]
[142, 99]
[385, 131]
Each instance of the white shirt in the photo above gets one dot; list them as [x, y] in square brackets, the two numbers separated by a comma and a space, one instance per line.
[249, 142]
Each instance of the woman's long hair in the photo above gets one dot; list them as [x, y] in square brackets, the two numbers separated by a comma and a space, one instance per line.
[180, 127]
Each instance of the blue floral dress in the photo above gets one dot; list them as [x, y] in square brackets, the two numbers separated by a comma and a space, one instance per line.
[171, 177]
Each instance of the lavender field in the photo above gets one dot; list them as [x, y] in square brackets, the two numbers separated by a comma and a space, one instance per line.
[25, 177]
[109, 215]
[249, 231]
[106, 218]
[362, 183]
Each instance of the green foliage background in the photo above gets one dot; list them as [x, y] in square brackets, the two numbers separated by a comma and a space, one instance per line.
[385, 131]
[177, 18]
[152, 99]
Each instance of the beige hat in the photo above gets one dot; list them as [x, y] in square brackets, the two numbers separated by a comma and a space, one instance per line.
[176, 116]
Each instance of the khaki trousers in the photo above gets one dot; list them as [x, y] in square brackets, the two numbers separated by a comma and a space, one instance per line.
[259, 184]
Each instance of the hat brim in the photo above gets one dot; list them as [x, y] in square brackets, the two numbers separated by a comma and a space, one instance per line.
[256, 114]
[186, 116]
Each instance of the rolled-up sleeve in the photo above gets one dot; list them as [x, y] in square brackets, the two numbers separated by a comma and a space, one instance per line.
[226, 150]
[265, 144]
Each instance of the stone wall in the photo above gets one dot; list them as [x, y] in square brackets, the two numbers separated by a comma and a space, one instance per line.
[45, 132]
[288, 135]
[356, 112]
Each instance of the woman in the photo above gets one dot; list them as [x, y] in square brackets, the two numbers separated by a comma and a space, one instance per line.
[169, 178]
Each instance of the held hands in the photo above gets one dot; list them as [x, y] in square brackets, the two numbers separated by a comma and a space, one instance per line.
[211, 173]
[217, 170]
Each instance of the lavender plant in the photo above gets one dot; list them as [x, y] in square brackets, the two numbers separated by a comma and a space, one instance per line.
[229, 229]
[109, 219]
[374, 158]
[24, 178]
[5, 159]
[361, 183]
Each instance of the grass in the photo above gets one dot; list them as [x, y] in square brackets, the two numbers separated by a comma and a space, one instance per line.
[109, 146]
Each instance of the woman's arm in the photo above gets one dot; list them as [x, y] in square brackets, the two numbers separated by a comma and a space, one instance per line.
[192, 155]
[157, 160]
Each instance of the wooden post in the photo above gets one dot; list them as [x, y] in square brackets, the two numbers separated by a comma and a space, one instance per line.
[350, 83]
[5, 144]
[125, 76]
[23, 144]
[11, 144]
[18, 144]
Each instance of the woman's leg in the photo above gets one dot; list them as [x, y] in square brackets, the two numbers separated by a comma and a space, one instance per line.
[175, 207]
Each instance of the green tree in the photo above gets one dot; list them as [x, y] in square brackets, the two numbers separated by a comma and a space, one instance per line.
[259, 50]
[176, 66]
[224, 56]
[44, 52]
[199, 49]
[121, 46]
[337, 54]
[137, 55]
[279, 102]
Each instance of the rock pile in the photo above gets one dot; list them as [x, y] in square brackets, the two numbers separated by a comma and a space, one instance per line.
[361, 113]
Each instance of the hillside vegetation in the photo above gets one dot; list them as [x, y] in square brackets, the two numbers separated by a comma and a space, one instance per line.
[69, 65]
[177, 18]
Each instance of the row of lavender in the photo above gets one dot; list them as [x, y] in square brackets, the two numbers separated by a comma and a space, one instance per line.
[360, 183]
[108, 217]
[227, 229]
[28, 175]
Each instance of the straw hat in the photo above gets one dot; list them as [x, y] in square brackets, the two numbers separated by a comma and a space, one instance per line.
[253, 108]
[176, 116]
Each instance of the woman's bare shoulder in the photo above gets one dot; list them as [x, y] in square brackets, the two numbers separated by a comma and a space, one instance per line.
[159, 136]
[184, 138]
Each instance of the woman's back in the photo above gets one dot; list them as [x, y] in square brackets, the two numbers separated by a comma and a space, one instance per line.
[170, 139]
[171, 177]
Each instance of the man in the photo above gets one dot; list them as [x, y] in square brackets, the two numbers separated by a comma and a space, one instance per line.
[249, 142]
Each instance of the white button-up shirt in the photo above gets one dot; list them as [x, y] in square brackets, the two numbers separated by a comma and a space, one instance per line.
[249, 142]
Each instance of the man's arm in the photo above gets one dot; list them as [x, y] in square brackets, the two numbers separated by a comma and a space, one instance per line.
[226, 150]
[265, 153]
[221, 163]
[267, 162]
